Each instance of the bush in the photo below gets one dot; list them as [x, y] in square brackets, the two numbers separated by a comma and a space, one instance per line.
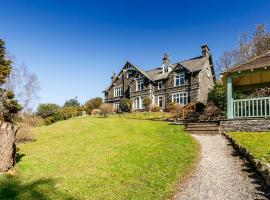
[69, 112]
[106, 109]
[193, 116]
[24, 134]
[171, 106]
[212, 112]
[147, 102]
[155, 108]
[96, 112]
[125, 105]
[176, 110]
[31, 120]
[49, 120]
[218, 96]
[94, 103]
[47, 110]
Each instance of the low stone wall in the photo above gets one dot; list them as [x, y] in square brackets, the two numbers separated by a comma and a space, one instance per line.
[262, 168]
[247, 125]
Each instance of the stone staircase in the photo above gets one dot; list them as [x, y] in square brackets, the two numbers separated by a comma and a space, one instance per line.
[203, 128]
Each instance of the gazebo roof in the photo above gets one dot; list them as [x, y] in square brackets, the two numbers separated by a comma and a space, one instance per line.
[261, 61]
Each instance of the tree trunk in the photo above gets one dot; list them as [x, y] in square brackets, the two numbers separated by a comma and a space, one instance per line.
[7, 146]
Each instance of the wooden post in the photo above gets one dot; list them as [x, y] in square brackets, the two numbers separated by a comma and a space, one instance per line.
[229, 98]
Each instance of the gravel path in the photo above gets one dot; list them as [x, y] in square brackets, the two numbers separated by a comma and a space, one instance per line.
[221, 175]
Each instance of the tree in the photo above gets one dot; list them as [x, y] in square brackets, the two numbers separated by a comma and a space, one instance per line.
[249, 47]
[8, 109]
[47, 110]
[93, 103]
[218, 96]
[72, 103]
[147, 102]
[125, 105]
[25, 85]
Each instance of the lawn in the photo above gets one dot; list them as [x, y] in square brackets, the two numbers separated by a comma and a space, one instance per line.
[158, 116]
[258, 143]
[101, 158]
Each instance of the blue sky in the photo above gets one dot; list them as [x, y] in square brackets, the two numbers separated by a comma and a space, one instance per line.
[73, 46]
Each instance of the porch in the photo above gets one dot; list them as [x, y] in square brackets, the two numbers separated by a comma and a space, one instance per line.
[252, 76]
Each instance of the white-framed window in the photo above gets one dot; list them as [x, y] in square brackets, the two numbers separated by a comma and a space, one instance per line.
[139, 85]
[165, 69]
[117, 91]
[160, 101]
[181, 98]
[179, 79]
[129, 74]
[138, 103]
[116, 106]
[159, 85]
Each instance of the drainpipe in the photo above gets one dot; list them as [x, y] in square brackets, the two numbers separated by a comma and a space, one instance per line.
[229, 98]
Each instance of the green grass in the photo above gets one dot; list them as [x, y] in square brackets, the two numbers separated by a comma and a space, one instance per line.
[158, 116]
[257, 143]
[101, 158]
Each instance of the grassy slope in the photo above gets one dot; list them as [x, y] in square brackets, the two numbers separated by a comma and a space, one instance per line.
[258, 143]
[99, 158]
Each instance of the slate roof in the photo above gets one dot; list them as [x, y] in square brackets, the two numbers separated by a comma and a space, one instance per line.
[256, 63]
[193, 65]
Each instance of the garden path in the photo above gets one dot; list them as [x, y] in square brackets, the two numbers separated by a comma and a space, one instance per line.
[221, 174]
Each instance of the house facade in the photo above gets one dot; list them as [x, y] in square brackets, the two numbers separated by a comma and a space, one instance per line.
[182, 82]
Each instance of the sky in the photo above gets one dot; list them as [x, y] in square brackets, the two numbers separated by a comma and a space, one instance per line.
[74, 46]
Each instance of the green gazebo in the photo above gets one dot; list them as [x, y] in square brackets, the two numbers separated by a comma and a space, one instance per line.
[253, 74]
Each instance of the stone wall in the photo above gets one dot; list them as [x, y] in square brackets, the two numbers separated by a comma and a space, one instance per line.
[245, 125]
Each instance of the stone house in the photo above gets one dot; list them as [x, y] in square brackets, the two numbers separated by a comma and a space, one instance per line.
[182, 82]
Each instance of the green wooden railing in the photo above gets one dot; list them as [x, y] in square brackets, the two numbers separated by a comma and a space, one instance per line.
[255, 107]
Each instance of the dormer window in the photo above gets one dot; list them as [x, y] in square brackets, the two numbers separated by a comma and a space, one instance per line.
[166, 69]
[139, 85]
[179, 79]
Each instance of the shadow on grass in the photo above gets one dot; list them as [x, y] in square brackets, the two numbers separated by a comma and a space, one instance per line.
[43, 189]
[262, 189]
[19, 157]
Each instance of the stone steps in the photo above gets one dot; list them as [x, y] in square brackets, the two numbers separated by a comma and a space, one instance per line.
[202, 128]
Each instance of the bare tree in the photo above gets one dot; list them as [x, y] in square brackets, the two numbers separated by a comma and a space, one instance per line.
[250, 46]
[25, 85]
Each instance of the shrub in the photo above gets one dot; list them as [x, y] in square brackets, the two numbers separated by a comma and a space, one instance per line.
[155, 108]
[176, 110]
[69, 112]
[91, 104]
[125, 105]
[49, 120]
[31, 120]
[24, 134]
[147, 102]
[193, 116]
[171, 106]
[106, 109]
[47, 110]
[218, 96]
[96, 112]
[212, 112]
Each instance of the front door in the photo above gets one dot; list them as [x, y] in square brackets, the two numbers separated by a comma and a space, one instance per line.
[160, 102]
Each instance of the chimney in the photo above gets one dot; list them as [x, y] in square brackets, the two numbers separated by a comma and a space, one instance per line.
[113, 76]
[166, 59]
[205, 50]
